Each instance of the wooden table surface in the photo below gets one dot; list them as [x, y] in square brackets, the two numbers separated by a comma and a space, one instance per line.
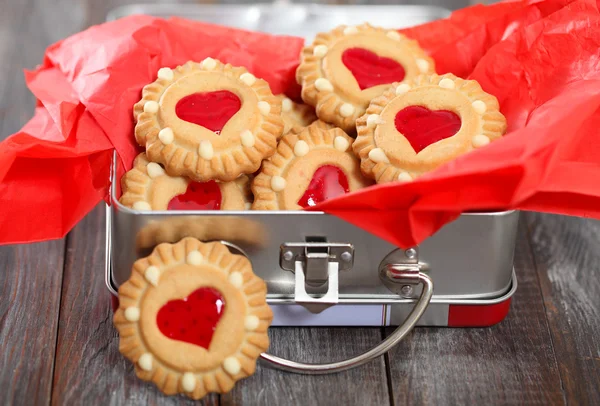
[58, 344]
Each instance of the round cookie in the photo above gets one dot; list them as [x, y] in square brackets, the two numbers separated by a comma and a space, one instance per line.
[344, 69]
[415, 127]
[148, 187]
[315, 165]
[295, 116]
[193, 318]
[208, 121]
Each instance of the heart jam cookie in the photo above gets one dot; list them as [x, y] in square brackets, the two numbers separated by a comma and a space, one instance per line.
[414, 127]
[344, 69]
[193, 318]
[208, 121]
[148, 187]
[295, 116]
[315, 165]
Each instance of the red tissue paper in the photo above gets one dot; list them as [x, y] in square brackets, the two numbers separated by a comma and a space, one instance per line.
[540, 58]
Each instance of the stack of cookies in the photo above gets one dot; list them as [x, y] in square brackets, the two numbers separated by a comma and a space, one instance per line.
[217, 138]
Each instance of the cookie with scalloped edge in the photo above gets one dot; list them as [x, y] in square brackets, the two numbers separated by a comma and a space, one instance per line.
[309, 167]
[417, 126]
[193, 318]
[148, 187]
[347, 67]
[208, 121]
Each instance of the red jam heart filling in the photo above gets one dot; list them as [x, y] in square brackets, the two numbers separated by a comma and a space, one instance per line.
[370, 70]
[192, 319]
[423, 127]
[198, 196]
[328, 181]
[211, 110]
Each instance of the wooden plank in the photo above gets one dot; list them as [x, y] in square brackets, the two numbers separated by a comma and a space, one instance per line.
[566, 253]
[89, 368]
[30, 275]
[365, 385]
[510, 363]
[30, 282]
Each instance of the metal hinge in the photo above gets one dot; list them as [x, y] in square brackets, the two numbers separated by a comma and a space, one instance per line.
[400, 270]
[316, 267]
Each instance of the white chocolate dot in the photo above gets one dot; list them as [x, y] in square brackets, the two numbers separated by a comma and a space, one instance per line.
[166, 136]
[142, 206]
[320, 51]
[251, 322]
[150, 106]
[377, 155]
[479, 141]
[301, 148]
[287, 105]
[248, 78]
[393, 35]
[194, 258]
[165, 74]
[373, 120]
[479, 106]
[247, 138]
[323, 85]
[206, 150]
[447, 83]
[422, 64]
[152, 274]
[264, 108]
[232, 366]
[346, 110]
[404, 177]
[132, 314]
[402, 88]
[350, 30]
[236, 279]
[278, 183]
[208, 63]
[340, 143]
[154, 170]
[145, 361]
[188, 382]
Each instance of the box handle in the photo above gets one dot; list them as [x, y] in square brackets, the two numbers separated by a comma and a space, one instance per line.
[409, 277]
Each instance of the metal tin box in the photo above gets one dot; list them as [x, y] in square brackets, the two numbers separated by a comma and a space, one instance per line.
[321, 270]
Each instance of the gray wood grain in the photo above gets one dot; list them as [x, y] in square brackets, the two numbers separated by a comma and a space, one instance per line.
[30, 275]
[567, 254]
[365, 385]
[30, 283]
[89, 367]
[510, 363]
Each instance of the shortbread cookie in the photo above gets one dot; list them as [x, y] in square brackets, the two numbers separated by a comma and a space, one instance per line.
[208, 121]
[308, 168]
[148, 187]
[416, 127]
[193, 318]
[320, 124]
[295, 116]
[344, 69]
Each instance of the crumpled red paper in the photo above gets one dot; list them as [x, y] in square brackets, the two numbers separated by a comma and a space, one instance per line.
[539, 57]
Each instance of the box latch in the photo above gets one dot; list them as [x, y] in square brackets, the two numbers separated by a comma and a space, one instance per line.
[316, 266]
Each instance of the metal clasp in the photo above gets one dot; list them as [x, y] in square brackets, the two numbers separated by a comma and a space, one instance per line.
[316, 266]
[400, 275]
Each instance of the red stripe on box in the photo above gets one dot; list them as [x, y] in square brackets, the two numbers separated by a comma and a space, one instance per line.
[477, 315]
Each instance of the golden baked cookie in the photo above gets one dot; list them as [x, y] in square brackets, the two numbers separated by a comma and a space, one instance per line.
[344, 69]
[208, 121]
[295, 116]
[148, 187]
[315, 165]
[415, 127]
[193, 318]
